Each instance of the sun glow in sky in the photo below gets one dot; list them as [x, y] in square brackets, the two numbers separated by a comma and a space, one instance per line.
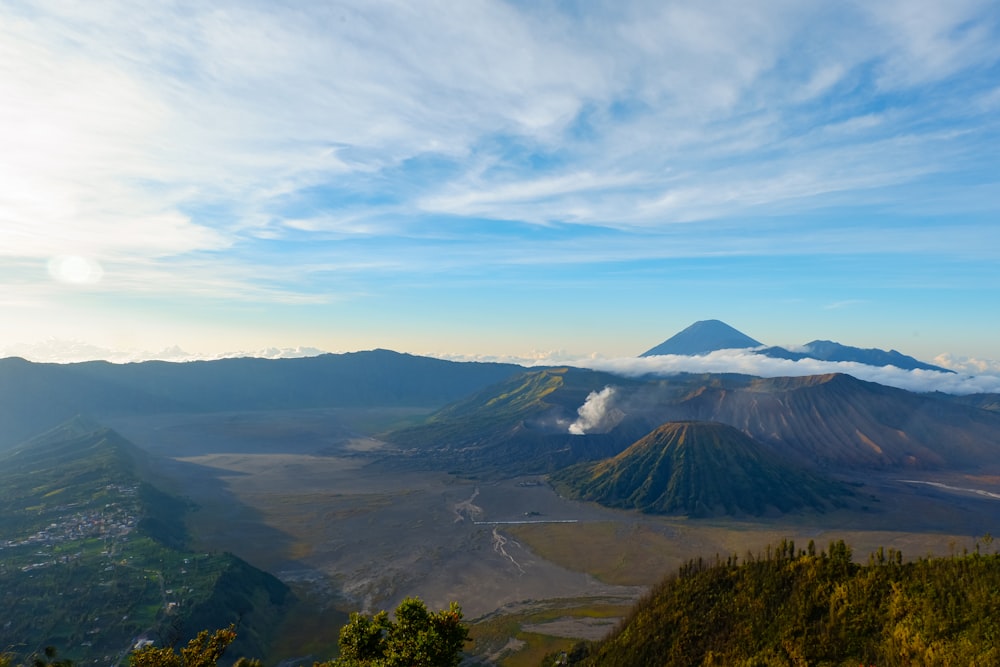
[499, 178]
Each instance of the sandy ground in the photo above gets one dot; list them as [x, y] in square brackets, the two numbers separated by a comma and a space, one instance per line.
[301, 495]
[307, 503]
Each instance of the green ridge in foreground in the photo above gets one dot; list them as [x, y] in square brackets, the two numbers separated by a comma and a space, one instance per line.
[92, 558]
[789, 608]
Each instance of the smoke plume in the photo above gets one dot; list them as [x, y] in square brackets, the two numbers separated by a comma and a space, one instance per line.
[598, 413]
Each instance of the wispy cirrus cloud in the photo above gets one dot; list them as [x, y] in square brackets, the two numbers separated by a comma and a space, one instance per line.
[240, 105]
[246, 148]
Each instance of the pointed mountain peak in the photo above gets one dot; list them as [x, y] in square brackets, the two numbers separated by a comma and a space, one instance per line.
[700, 469]
[703, 337]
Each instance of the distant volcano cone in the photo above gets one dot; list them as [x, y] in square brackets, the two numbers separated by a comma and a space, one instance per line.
[696, 468]
[703, 337]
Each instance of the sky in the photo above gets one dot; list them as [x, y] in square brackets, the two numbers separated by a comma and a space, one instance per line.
[476, 179]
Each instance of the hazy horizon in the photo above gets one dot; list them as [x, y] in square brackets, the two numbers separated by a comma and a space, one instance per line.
[499, 179]
[970, 375]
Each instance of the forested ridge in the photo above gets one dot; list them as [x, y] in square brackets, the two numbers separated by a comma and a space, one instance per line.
[779, 608]
[416, 637]
[788, 607]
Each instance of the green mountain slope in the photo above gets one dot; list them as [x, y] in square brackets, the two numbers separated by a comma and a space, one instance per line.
[700, 469]
[789, 608]
[92, 557]
[520, 425]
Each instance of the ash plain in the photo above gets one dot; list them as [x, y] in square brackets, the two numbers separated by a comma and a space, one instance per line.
[309, 497]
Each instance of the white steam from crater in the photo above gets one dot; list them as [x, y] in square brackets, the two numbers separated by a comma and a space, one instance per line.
[598, 413]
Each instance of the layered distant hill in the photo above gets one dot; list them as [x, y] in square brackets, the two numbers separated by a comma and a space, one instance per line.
[827, 350]
[34, 397]
[502, 420]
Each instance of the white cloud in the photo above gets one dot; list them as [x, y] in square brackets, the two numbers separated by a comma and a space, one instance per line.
[927, 40]
[67, 351]
[154, 131]
[743, 361]
[969, 365]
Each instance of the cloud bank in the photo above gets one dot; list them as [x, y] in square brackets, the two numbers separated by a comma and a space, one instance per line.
[746, 362]
[972, 376]
[66, 351]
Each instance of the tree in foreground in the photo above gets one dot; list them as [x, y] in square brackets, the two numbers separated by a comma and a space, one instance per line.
[417, 638]
[202, 651]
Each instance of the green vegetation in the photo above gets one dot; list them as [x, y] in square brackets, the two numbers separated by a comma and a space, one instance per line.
[204, 650]
[788, 607]
[417, 638]
[519, 426]
[699, 469]
[496, 409]
[92, 558]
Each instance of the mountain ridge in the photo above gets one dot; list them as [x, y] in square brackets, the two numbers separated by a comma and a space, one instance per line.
[35, 397]
[833, 421]
[828, 350]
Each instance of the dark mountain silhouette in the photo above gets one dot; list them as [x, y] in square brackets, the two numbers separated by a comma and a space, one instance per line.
[701, 338]
[827, 350]
[34, 397]
[699, 469]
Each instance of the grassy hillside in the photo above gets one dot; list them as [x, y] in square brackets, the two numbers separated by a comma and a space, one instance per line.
[92, 558]
[789, 608]
[518, 426]
[699, 469]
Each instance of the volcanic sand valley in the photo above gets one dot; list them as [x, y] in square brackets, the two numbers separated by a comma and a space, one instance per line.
[302, 495]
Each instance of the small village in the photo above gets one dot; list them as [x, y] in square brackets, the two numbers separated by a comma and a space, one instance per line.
[112, 521]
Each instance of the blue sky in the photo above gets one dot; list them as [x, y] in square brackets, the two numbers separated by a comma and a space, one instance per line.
[525, 179]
